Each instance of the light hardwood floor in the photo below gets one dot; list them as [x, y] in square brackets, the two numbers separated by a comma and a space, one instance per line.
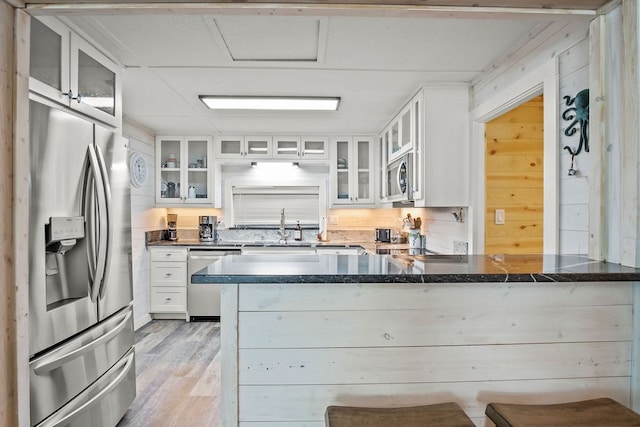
[177, 375]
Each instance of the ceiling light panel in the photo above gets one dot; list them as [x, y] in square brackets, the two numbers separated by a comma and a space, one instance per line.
[270, 103]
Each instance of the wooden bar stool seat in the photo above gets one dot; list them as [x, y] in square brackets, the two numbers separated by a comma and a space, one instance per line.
[438, 415]
[603, 412]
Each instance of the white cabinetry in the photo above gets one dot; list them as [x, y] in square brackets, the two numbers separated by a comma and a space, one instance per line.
[352, 171]
[168, 282]
[443, 161]
[243, 147]
[69, 70]
[184, 171]
[271, 147]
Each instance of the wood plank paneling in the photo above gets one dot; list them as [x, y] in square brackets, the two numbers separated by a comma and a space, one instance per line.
[303, 347]
[8, 336]
[323, 297]
[514, 180]
[564, 4]
[388, 365]
[434, 327]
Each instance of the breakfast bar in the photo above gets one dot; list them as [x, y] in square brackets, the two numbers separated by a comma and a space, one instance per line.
[302, 332]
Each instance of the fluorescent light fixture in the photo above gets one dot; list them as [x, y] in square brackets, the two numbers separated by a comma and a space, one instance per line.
[222, 102]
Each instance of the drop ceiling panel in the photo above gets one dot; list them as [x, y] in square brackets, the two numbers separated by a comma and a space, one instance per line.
[420, 43]
[187, 125]
[270, 38]
[167, 40]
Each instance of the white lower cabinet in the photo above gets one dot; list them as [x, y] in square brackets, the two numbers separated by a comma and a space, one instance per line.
[168, 282]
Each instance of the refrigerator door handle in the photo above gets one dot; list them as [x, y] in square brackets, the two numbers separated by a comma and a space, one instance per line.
[99, 234]
[65, 416]
[108, 215]
[62, 356]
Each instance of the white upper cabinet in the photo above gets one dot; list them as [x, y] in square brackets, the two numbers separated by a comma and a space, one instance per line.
[314, 147]
[271, 147]
[443, 160]
[184, 171]
[68, 70]
[352, 171]
[243, 147]
[286, 147]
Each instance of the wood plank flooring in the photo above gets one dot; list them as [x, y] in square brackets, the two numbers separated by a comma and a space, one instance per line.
[177, 375]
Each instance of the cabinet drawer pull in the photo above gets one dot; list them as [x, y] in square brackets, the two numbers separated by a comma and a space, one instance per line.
[168, 255]
[167, 275]
[167, 299]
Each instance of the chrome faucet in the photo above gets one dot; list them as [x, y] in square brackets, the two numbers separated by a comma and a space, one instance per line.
[283, 233]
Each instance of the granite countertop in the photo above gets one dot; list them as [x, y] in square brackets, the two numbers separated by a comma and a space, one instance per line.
[371, 247]
[404, 268]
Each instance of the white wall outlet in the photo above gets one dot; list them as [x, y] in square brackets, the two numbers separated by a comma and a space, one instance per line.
[333, 220]
[499, 216]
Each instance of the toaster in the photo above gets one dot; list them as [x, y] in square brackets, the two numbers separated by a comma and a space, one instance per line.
[383, 235]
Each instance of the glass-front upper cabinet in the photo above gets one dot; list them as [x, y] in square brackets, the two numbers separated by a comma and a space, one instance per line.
[96, 82]
[49, 58]
[401, 133]
[352, 170]
[67, 69]
[183, 170]
[241, 147]
[314, 147]
[286, 147]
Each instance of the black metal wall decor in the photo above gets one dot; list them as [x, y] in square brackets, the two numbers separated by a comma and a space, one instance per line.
[578, 114]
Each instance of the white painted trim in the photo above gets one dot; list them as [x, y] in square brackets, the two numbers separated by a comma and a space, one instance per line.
[229, 356]
[543, 80]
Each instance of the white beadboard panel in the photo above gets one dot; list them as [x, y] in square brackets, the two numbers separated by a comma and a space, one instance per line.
[582, 163]
[393, 328]
[574, 59]
[557, 38]
[384, 365]
[574, 217]
[144, 217]
[272, 297]
[574, 242]
[295, 403]
[574, 191]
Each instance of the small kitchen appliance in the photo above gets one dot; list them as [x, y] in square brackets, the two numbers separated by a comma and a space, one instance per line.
[172, 221]
[208, 228]
[383, 235]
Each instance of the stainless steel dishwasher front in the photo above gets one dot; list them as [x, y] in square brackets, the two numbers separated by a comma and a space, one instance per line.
[203, 299]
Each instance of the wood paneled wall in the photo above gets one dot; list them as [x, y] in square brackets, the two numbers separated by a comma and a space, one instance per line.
[514, 180]
[8, 362]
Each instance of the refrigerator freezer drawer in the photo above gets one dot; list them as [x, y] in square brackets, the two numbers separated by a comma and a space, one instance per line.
[171, 274]
[104, 403]
[65, 371]
[168, 299]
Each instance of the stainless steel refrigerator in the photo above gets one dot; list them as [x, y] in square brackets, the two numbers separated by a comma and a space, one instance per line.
[82, 367]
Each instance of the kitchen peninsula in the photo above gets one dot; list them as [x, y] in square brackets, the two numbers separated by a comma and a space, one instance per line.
[300, 333]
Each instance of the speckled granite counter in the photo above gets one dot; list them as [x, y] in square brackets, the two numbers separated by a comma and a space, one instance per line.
[411, 269]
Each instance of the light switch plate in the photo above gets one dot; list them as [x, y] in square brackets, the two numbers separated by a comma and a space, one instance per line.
[499, 216]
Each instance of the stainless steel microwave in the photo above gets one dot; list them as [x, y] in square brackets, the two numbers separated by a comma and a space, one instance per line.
[400, 180]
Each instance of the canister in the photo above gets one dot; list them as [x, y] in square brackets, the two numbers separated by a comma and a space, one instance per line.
[415, 242]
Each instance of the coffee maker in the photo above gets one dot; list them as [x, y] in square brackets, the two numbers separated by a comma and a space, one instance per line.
[172, 232]
[208, 229]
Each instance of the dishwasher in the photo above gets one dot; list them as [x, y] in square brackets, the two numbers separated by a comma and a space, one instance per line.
[203, 299]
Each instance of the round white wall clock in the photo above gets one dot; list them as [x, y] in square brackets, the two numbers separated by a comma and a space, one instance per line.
[138, 170]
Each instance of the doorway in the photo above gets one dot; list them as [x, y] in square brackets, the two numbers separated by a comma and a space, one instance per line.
[514, 180]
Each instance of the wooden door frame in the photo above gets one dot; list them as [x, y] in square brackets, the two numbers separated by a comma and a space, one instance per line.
[543, 81]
